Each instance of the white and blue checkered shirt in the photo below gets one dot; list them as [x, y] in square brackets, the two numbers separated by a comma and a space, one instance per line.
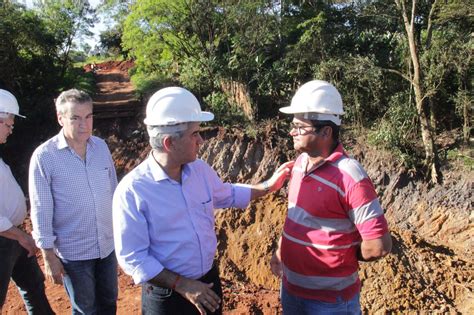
[71, 199]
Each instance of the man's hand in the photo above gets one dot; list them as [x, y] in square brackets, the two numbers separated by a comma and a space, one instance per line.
[274, 183]
[371, 250]
[280, 176]
[53, 267]
[275, 264]
[27, 242]
[199, 293]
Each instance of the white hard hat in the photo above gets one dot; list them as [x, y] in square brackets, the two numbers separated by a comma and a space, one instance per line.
[317, 100]
[9, 104]
[174, 105]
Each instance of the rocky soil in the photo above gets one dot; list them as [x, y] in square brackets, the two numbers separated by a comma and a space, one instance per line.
[431, 267]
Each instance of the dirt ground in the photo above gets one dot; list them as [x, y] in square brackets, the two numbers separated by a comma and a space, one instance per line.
[431, 267]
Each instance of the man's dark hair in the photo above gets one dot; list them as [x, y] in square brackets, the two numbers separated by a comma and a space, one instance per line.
[319, 124]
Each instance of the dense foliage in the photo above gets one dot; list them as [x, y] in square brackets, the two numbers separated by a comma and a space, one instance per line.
[35, 50]
[35, 65]
[404, 67]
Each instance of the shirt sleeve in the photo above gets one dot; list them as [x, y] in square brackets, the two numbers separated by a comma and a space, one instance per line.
[113, 177]
[365, 210]
[5, 223]
[131, 236]
[227, 195]
[42, 204]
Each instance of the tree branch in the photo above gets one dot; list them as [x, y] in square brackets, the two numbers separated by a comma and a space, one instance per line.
[399, 73]
[429, 29]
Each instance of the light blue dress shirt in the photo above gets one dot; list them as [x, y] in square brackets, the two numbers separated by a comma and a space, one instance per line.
[71, 198]
[160, 223]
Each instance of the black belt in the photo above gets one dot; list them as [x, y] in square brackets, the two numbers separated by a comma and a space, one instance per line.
[211, 275]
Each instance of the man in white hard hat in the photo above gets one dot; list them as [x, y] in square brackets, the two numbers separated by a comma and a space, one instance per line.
[17, 248]
[71, 181]
[164, 211]
[334, 216]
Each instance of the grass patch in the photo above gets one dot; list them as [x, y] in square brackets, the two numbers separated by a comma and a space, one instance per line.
[464, 156]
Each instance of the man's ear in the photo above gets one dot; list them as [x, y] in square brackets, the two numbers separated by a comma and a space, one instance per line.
[327, 131]
[60, 119]
[167, 143]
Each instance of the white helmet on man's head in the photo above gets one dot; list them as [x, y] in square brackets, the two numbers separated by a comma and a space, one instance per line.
[172, 106]
[316, 100]
[9, 104]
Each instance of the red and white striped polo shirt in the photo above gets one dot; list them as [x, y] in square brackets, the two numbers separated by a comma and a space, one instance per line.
[330, 211]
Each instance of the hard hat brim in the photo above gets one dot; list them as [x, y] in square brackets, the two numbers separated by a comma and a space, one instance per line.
[287, 110]
[203, 117]
[206, 116]
[292, 110]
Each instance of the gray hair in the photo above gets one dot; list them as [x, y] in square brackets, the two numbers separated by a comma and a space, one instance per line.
[158, 133]
[71, 96]
[4, 115]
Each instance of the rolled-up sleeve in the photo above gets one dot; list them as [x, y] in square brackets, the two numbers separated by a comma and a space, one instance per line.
[226, 195]
[131, 236]
[5, 224]
[42, 203]
[242, 193]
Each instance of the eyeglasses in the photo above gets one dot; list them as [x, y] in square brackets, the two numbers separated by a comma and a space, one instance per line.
[8, 125]
[301, 130]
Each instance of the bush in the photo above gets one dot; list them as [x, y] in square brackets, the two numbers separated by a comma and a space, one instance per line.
[397, 130]
[146, 83]
[226, 114]
[76, 77]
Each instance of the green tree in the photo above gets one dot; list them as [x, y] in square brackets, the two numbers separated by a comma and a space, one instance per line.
[69, 21]
[428, 65]
[27, 51]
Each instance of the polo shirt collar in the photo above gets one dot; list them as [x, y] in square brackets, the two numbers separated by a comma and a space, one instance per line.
[336, 154]
[333, 157]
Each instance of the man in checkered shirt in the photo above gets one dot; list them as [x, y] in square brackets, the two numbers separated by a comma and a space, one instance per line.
[71, 182]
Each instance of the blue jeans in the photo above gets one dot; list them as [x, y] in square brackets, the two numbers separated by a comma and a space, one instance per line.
[92, 285]
[27, 275]
[293, 305]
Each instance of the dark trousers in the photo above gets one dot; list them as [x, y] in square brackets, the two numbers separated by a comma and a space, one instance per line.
[27, 275]
[158, 300]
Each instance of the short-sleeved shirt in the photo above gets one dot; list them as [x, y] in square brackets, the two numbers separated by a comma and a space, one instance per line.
[330, 211]
[12, 200]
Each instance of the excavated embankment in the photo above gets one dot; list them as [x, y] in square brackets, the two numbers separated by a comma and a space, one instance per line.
[430, 268]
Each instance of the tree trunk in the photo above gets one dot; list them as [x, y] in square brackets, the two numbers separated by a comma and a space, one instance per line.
[423, 110]
[467, 122]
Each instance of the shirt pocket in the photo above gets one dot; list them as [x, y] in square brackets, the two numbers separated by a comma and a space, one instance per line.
[208, 207]
[206, 213]
[102, 180]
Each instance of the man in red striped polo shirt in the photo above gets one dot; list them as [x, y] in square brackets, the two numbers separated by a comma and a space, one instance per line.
[334, 216]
